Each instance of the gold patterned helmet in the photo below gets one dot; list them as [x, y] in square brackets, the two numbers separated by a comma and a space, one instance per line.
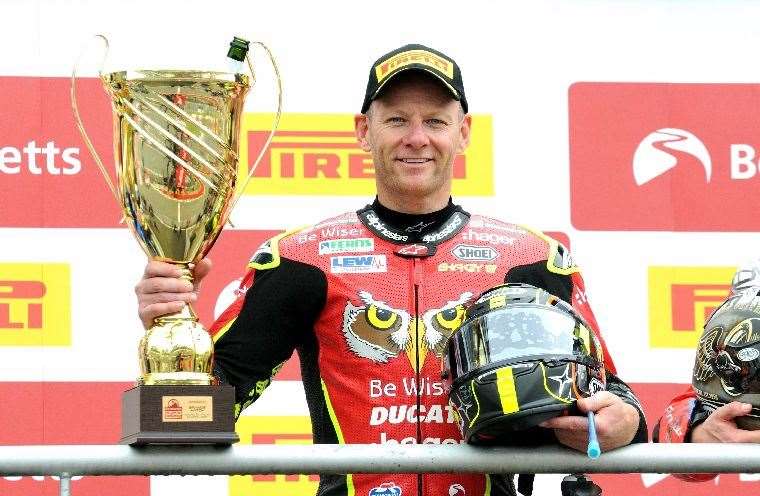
[727, 366]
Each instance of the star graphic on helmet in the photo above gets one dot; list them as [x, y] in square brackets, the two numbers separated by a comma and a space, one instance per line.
[562, 381]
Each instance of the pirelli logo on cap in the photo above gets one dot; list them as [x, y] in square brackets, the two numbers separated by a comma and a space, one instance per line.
[386, 67]
[317, 154]
[681, 299]
[35, 304]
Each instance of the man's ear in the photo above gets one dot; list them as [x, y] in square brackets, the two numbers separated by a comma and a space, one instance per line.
[464, 131]
[361, 127]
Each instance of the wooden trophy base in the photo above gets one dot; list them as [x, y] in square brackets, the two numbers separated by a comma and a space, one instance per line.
[178, 414]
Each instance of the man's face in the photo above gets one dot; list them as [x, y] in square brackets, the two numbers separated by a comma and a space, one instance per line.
[414, 131]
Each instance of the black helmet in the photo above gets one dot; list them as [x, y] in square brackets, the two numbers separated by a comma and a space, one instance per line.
[727, 367]
[521, 356]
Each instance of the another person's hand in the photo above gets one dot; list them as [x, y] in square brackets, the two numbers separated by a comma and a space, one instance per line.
[720, 426]
[161, 291]
[616, 423]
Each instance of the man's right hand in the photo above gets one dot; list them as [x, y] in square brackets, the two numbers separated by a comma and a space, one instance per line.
[720, 426]
[161, 291]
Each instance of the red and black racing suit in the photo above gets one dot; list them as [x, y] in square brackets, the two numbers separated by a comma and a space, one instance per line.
[682, 415]
[368, 299]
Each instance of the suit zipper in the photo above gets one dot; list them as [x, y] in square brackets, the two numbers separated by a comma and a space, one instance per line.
[417, 281]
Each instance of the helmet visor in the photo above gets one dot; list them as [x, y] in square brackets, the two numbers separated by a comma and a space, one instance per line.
[516, 331]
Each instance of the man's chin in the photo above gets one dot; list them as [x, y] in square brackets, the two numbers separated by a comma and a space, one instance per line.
[416, 189]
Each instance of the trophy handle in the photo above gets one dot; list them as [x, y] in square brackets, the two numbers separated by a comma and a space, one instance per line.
[80, 124]
[275, 124]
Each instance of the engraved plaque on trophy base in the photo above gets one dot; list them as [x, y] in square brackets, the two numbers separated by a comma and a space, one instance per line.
[178, 414]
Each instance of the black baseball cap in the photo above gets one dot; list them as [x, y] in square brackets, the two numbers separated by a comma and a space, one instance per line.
[418, 58]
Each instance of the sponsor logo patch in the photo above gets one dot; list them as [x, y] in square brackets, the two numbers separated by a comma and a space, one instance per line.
[416, 251]
[418, 227]
[375, 222]
[361, 264]
[467, 267]
[386, 489]
[487, 237]
[346, 245]
[475, 253]
[748, 354]
[446, 231]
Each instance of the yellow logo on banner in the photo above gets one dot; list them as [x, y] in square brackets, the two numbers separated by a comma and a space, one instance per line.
[681, 299]
[274, 430]
[317, 154]
[35, 304]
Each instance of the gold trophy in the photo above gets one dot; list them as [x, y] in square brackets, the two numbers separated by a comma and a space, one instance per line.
[176, 154]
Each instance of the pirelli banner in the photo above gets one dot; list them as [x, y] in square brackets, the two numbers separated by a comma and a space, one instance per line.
[317, 154]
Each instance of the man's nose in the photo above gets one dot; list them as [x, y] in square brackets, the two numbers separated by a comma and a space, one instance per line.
[416, 135]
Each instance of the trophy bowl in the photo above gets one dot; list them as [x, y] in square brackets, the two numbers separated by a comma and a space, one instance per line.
[175, 143]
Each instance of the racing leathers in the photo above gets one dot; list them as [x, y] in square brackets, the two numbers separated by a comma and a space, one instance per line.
[368, 300]
[682, 415]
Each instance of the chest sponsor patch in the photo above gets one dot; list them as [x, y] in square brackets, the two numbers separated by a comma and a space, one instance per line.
[386, 489]
[487, 237]
[360, 264]
[330, 246]
[467, 267]
[475, 253]
[417, 250]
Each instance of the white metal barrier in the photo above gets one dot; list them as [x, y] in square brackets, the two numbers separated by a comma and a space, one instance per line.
[73, 460]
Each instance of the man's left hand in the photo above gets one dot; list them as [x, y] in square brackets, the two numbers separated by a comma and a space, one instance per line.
[616, 423]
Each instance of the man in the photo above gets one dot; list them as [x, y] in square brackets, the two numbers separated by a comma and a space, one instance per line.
[688, 418]
[368, 298]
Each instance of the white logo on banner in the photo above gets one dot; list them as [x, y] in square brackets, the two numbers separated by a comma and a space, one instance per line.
[457, 490]
[650, 480]
[653, 158]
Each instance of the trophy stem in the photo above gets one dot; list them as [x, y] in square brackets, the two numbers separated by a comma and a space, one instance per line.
[187, 313]
[177, 349]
